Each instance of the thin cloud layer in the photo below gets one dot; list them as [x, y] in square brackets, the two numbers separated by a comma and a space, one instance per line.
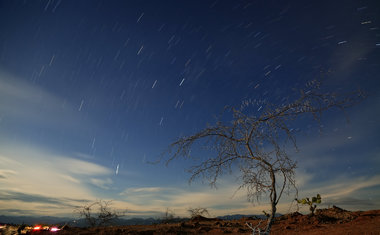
[35, 176]
[25, 102]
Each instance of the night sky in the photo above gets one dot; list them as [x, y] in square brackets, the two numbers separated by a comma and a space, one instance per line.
[92, 91]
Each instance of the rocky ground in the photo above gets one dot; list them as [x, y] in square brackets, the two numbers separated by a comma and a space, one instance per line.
[325, 221]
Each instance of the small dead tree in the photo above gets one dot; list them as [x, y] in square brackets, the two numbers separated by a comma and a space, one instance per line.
[257, 144]
[98, 213]
[168, 216]
[255, 229]
[198, 211]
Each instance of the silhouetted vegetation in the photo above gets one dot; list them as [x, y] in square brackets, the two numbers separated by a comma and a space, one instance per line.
[198, 211]
[168, 216]
[99, 213]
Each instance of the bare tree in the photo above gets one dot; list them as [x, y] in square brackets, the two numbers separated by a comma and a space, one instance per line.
[198, 211]
[168, 216]
[257, 144]
[98, 213]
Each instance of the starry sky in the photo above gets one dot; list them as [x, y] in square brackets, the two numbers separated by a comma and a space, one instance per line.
[93, 91]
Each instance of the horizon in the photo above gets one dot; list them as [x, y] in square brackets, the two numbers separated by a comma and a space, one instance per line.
[93, 92]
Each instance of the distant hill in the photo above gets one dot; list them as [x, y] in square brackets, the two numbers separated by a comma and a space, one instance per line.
[33, 220]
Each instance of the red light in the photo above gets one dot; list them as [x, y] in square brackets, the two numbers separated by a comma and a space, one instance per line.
[37, 228]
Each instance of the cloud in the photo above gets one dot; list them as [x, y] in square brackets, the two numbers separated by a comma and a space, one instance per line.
[142, 190]
[219, 202]
[84, 156]
[80, 167]
[23, 102]
[344, 60]
[18, 212]
[40, 180]
[70, 178]
[101, 183]
[33, 177]
[340, 142]
[346, 186]
[4, 173]
[353, 202]
[18, 196]
[352, 193]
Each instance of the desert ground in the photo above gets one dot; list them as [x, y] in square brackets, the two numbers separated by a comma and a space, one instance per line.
[330, 221]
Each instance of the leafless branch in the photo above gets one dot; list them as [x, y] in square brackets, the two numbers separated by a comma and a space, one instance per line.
[257, 144]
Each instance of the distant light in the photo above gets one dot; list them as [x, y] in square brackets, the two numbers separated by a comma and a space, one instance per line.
[37, 228]
[54, 229]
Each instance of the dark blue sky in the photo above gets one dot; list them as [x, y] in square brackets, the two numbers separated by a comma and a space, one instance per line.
[107, 85]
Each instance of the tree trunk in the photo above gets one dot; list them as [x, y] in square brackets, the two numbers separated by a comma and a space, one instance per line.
[273, 199]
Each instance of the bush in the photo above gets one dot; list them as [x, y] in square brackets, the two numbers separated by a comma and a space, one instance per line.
[307, 201]
[199, 211]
